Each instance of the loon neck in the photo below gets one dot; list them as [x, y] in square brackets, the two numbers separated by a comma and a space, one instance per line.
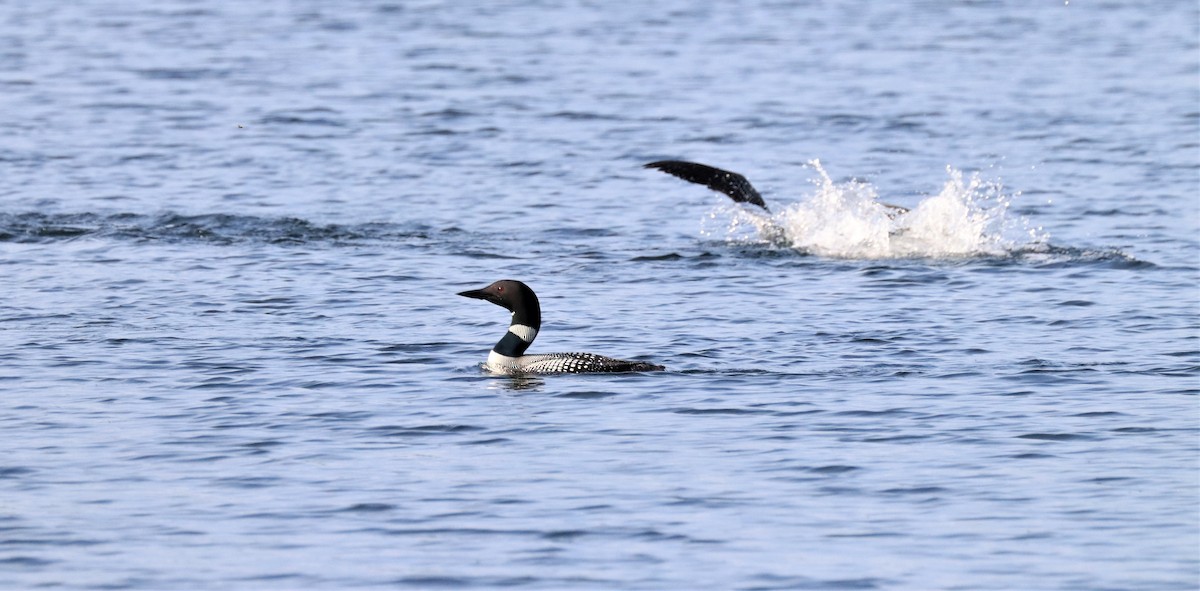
[527, 311]
[518, 337]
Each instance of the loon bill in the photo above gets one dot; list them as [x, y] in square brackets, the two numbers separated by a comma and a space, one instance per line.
[736, 186]
[508, 356]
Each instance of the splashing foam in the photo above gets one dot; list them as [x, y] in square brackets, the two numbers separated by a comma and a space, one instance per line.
[969, 217]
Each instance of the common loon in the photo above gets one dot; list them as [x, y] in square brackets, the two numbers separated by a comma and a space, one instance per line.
[730, 183]
[508, 356]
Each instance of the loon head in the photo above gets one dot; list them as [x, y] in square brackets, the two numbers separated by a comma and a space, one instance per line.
[514, 296]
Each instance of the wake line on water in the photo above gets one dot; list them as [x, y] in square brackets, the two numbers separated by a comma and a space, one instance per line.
[968, 218]
[208, 228]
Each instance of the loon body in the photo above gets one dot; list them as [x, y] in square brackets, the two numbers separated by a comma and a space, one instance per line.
[736, 186]
[508, 356]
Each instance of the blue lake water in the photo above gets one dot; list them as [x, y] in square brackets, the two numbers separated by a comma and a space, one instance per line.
[231, 356]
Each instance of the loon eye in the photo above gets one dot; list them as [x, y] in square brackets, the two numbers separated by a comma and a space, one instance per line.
[500, 288]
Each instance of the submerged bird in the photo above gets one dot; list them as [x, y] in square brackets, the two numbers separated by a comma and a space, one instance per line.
[508, 356]
[730, 183]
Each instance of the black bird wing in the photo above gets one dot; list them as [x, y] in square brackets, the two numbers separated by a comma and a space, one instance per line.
[730, 183]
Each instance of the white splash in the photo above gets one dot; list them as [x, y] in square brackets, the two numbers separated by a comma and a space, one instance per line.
[969, 217]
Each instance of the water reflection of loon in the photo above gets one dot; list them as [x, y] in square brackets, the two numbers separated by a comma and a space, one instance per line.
[508, 356]
[730, 183]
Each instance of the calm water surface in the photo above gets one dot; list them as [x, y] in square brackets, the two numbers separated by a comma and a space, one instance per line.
[231, 356]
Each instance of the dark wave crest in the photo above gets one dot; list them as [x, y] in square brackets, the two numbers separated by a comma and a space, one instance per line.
[208, 228]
